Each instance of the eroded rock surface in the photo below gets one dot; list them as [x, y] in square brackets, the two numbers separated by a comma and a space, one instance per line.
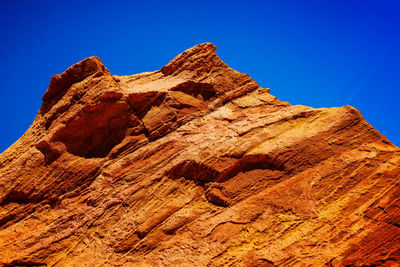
[194, 165]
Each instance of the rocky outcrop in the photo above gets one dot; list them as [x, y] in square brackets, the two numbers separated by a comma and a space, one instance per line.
[194, 164]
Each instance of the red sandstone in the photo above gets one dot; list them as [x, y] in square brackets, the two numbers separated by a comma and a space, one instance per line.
[195, 165]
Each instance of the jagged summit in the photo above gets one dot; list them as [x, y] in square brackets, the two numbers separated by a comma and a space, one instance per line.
[199, 59]
[76, 73]
[80, 103]
[194, 164]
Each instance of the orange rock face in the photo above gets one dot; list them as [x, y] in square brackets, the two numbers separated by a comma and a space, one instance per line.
[195, 165]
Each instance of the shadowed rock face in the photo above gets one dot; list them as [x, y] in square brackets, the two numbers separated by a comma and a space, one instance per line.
[194, 164]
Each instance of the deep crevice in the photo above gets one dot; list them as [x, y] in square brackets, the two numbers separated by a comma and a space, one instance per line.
[249, 163]
[20, 263]
[97, 129]
[141, 103]
[18, 197]
[206, 90]
[191, 170]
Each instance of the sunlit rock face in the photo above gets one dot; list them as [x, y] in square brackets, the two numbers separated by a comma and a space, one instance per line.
[194, 165]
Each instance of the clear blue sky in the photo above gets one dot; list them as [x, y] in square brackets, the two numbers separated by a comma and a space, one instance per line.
[317, 53]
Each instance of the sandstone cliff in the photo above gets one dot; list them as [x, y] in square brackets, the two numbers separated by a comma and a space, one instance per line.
[194, 165]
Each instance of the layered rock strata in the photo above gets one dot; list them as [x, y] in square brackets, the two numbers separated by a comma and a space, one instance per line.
[194, 165]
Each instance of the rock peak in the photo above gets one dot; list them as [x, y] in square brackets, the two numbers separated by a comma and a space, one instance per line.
[200, 58]
[204, 47]
[59, 83]
[195, 164]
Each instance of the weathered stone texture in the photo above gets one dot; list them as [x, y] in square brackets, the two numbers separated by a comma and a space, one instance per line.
[195, 165]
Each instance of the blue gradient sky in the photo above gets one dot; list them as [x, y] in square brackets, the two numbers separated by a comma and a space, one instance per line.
[317, 53]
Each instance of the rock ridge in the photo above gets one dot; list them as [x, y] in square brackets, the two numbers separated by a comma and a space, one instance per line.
[194, 164]
[74, 74]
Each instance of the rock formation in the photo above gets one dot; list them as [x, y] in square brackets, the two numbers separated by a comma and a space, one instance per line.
[194, 165]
